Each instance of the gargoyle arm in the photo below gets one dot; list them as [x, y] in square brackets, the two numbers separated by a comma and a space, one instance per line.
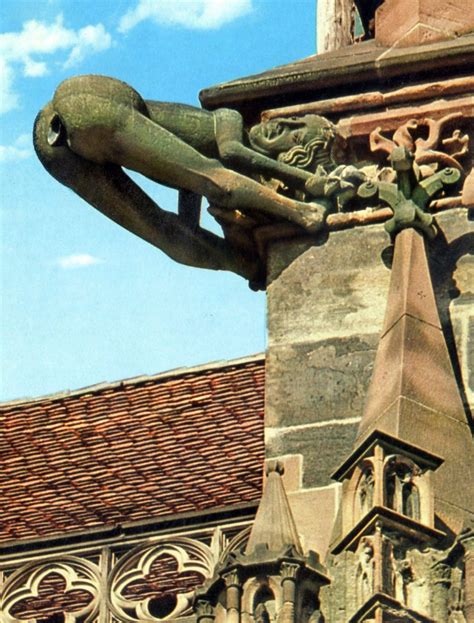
[229, 133]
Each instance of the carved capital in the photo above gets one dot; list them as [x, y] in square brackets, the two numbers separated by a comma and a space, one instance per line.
[204, 611]
[231, 578]
[288, 571]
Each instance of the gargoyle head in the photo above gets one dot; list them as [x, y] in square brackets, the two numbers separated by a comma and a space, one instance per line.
[302, 142]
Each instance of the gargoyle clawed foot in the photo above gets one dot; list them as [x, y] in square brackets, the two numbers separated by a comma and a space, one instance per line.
[311, 216]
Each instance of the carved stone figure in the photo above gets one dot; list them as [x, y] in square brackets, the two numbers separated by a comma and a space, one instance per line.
[261, 614]
[365, 571]
[316, 617]
[366, 492]
[96, 125]
[286, 169]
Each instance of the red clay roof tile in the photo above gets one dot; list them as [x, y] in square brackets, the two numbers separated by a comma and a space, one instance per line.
[188, 440]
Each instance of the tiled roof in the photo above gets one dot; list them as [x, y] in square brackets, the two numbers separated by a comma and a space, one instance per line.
[183, 441]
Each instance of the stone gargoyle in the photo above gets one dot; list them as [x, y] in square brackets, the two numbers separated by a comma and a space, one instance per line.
[96, 125]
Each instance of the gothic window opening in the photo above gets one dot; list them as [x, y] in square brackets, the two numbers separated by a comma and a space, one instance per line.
[160, 607]
[310, 608]
[401, 491]
[157, 582]
[160, 585]
[264, 605]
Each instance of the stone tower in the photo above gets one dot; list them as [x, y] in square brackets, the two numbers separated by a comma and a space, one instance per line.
[368, 366]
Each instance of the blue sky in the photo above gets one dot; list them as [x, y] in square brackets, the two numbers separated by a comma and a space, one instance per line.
[84, 301]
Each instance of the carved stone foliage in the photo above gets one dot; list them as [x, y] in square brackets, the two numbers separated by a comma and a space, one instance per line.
[429, 140]
[157, 581]
[427, 157]
[409, 196]
[40, 591]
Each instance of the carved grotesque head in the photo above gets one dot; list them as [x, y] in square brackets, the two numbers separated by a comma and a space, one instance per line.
[299, 141]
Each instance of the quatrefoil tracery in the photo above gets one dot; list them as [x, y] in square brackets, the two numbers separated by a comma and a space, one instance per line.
[68, 586]
[144, 585]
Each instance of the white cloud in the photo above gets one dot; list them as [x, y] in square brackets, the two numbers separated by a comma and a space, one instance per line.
[34, 69]
[196, 14]
[89, 40]
[20, 149]
[19, 51]
[8, 98]
[78, 260]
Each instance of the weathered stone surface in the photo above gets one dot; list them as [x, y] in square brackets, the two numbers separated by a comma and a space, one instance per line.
[334, 25]
[353, 67]
[469, 355]
[325, 309]
[376, 99]
[274, 525]
[414, 393]
[332, 288]
[452, 271]
[392, 119]
[468, 191]
[293, 471]
[412, 341]
[319, 381]
[314, 511]
[321, 446]
[326, 304]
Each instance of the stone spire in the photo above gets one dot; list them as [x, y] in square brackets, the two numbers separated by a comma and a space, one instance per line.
[405, 481]
[413, 394]
[413, 371]
[274, 526]
[273, 579]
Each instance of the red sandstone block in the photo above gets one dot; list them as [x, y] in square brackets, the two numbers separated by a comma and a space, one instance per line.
[404, 23]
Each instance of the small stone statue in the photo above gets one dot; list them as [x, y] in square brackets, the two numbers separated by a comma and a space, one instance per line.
[261, 614]
[365, 571]
[316, 617]
[96, 125]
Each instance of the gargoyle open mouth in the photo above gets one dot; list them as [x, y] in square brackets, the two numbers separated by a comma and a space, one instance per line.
[56, 131]
[272, 131]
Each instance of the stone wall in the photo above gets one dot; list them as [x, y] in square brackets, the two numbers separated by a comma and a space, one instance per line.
[326, 304]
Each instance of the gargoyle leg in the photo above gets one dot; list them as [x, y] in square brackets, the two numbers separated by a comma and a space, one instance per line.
[111, 191]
